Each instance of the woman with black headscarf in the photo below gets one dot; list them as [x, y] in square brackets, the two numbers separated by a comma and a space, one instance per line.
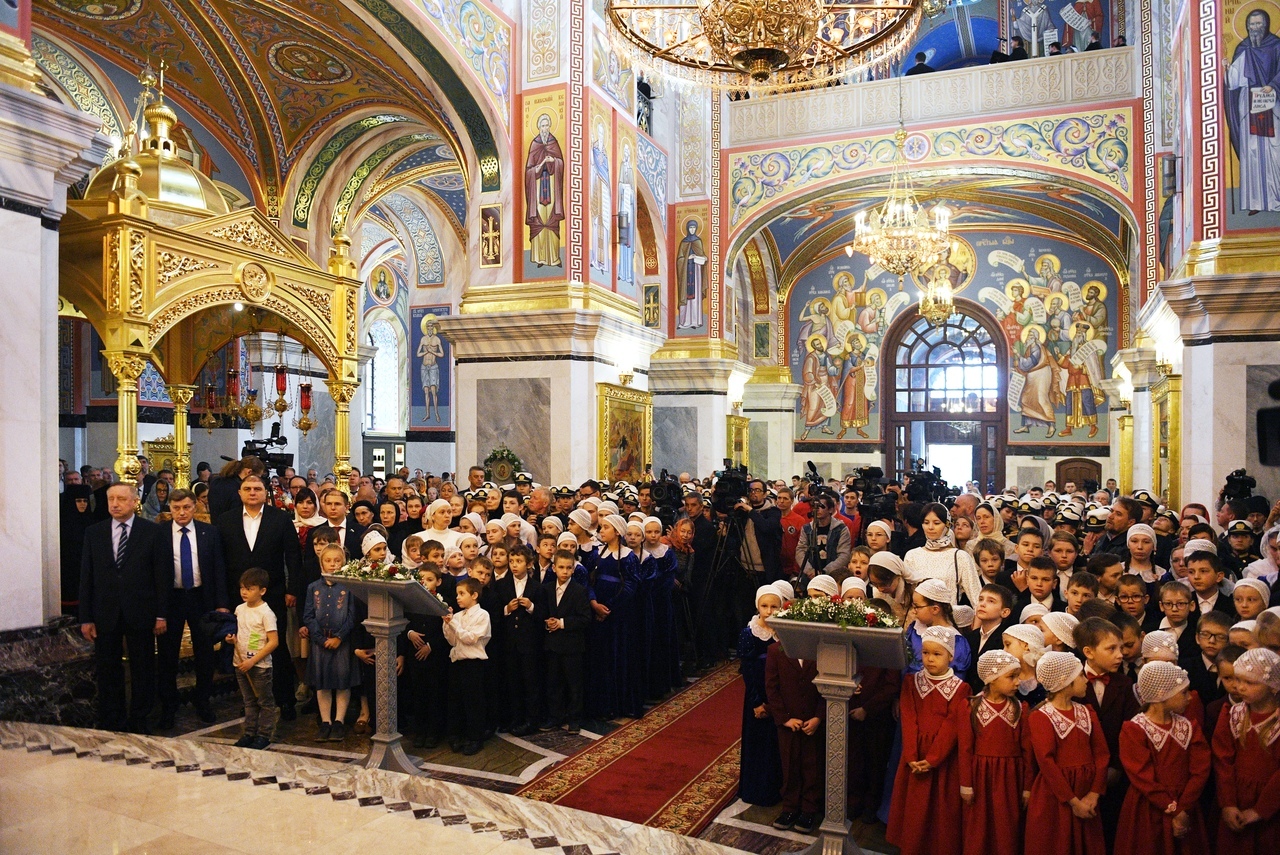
[74, 517]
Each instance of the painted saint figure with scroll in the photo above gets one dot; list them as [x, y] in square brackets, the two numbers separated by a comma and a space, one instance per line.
[855, 406]
[818, 379]
[1253, 111]
[430, 351]
[1083, 365]
[691, 288]
[544, 195]
[1036, 383]
[1081, 19]
[1094, 310]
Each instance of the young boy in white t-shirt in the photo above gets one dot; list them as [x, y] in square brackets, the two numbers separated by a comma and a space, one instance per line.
[255, 638]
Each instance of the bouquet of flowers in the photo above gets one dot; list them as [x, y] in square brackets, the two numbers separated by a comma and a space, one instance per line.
[856, 613]
[384, 571]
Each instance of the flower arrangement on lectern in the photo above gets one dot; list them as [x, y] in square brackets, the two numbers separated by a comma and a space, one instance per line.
[855, 613]
[379, 571]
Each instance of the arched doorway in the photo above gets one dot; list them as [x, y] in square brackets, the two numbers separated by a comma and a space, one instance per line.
[945, 396]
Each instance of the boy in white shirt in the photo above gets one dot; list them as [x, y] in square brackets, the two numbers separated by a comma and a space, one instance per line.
[469, 631]
[255, 638]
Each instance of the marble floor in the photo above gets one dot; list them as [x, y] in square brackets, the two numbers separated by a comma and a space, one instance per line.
[84, 791]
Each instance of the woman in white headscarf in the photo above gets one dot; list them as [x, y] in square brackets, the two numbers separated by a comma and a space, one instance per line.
[1267, 568]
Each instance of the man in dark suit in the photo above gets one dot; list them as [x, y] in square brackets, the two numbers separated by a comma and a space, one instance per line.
[192, 551]
[567, 616]
[263, 536]
[123, 599]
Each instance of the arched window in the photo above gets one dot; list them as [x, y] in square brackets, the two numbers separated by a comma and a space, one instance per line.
[381, 387]
[945, 389]
[947, 369]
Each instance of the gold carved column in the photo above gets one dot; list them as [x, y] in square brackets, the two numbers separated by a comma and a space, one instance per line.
[181, 397]
[1125, 424]
[342, 394]
[1166, 438]
[126, 368]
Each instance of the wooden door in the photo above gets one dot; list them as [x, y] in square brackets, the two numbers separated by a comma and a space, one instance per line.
[1078, 469]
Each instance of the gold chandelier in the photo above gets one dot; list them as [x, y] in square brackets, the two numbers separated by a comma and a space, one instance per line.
[937, 301]
[773, 44]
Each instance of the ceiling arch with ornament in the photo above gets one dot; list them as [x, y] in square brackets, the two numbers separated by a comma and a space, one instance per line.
[273, 78]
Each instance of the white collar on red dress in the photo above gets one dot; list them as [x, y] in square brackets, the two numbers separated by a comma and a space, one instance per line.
[1063, 724]
[1179, 728]
[947, 684]
[988, 712]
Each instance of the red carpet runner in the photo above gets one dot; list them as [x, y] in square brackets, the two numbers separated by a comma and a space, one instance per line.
[675, 769]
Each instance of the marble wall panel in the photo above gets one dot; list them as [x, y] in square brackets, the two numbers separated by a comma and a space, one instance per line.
[758, 448]
[673, 431]
[517, 413]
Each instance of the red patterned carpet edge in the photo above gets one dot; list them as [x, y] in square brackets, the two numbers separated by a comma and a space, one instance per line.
[674, 769]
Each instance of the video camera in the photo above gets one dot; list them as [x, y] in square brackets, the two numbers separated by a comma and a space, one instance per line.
[1239, 485]
[927, 485]
[261, 449]
[730, 487]
[667, 496]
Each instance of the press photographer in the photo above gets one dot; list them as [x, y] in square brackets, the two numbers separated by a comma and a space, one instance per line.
[825, 543]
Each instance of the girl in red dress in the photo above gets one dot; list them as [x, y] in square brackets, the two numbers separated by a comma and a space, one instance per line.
[1246, 757]
[995, 760]
[1072, 755]
[925, 812]
[1167, 760]
[1162, 646]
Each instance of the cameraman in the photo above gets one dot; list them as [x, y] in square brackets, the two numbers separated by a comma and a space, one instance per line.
[825, 544]
[760, 550]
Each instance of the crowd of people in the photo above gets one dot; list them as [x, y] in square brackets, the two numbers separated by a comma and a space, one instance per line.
[1088, 672]
[1094, 668]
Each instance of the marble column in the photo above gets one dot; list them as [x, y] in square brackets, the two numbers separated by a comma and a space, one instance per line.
[1142, 366]
[694, 386]
[44, 148]
[1229, 334]
[528, 379]
[769, 400]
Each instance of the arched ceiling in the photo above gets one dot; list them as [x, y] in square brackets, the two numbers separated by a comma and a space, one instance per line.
[273, 77]
[799, 235]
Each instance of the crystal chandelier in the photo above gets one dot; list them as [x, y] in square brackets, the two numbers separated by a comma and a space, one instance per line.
[770, 44]
[937, 302]
[899, 236]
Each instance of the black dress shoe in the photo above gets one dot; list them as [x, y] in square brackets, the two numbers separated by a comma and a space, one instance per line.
[289, 712]
[786, 820]
[471, 748]
[325, 729]
[245, 741]
[805, 823]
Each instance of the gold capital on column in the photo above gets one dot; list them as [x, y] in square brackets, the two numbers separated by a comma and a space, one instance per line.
[342, 393]
[181, 397]
[126, 368]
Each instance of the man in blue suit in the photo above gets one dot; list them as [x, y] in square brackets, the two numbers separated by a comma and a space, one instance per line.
[192, 551]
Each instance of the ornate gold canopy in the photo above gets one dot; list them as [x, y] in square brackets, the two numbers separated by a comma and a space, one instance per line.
[145, 276]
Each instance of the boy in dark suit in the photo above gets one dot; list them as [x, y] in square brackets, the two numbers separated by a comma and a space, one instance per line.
[1110, 693]
[193, 552]
[994, 611]
[568, 615]
[124, 596]
[1204, 572]
[428, 666]
[1042, 586]
[1212, 631]
[523, 607]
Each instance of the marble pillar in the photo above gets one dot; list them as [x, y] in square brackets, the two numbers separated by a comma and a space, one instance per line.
[770, 403]
[520, 373]
[706, 380]
[44, 148]
[1142, 366]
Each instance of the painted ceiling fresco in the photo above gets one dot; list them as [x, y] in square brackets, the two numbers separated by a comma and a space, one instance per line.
[271, 76]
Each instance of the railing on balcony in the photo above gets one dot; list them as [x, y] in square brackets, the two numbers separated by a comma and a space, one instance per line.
[1058, 82]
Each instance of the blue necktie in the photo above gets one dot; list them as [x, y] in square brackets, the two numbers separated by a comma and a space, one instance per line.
[188, 567]
[120, 548]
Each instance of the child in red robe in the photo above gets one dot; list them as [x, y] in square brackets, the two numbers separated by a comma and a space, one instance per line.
[995, 760]
[1072, 756]
[1246, 758]
[1167, 760]
[798, 711]
[926, 809]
